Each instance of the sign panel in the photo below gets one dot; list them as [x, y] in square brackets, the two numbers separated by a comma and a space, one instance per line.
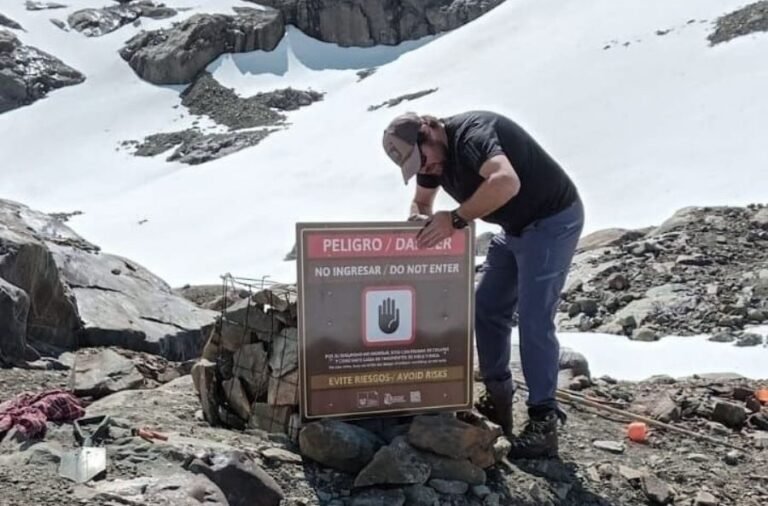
[384, 326]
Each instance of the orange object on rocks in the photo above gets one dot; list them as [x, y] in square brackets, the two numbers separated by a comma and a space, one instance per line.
[637, 432]
[762, 395]
[149, 435]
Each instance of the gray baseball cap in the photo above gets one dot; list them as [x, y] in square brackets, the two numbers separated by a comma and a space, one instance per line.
[401, 143]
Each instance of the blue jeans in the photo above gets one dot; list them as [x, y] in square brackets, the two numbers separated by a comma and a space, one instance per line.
[526, 273]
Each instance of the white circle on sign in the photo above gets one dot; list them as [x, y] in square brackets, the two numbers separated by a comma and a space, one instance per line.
[388, 315]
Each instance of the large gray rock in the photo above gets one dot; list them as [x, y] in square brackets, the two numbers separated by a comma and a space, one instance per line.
[28, 264]
[375, 22]
[243, 482]
[28, 74]
[178, 54]
[250, 365]
[285, 352]
[760, 219]
[204, 379]
[97, 22]
[180, 489]
[395, 464]
[102, 372]
[666, 298]
[8, 22]
[82, 297]
[445, 468]
[14, 308]
[730, 414]
[448, 436]
[339, 445]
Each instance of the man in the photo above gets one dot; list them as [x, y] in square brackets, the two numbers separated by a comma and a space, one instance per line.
[498, 173]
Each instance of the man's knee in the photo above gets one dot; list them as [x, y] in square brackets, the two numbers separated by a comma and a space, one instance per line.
[494, 304]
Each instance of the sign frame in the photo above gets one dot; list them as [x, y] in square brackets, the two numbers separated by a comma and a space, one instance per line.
[303, 230]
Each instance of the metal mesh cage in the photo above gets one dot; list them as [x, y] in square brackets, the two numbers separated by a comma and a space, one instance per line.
[256, 354]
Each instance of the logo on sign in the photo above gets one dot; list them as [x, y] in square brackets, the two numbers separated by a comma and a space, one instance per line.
[388, 315]
[367, 399]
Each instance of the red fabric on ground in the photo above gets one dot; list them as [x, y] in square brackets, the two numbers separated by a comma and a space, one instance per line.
[31, 412]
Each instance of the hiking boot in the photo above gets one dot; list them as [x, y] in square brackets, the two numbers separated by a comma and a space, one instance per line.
[499, 412]
[538, 439]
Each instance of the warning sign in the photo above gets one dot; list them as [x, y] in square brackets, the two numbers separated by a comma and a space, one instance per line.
[384, 325]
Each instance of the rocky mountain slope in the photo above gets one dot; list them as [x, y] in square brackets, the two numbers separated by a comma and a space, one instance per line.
[60, 292]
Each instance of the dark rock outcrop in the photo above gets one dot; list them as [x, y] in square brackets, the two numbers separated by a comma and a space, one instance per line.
[28, 74]
[207, 97]
[98, 22]
[14, 306]
[194, 147]
[702, 271]
[178, 54]
[79, 296]
[372, 22]
[9, 23]
[748, 19]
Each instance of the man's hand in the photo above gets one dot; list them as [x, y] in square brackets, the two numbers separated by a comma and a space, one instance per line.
[440, 227]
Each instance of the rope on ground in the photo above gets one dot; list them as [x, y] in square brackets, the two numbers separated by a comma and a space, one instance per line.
[568, 397]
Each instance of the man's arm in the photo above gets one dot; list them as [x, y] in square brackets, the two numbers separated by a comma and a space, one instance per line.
[501, 184]
[423, 201]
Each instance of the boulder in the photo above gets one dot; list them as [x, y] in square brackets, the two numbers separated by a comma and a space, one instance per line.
[8, 22]
[178, 54]
[657, 491]
[665, 409]
[760, 219]
[269, 418]
[666, 298]
[99, 373]
[449, 487]
[14, 308]
[98, 22]
[241, 480]
[379, 497]
[250, 365]
[463, 470]
[285, 352]
[365, 23]
[682, 218]
[730, 414]
[79, 296]
[28, 74]
[179, 489]
[284, 391]
[339, 445]
[421, 495]
[204, 378]
[446, 435]
[395, 464]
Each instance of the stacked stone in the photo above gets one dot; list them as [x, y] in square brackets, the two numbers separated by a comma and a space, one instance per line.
[248, 374]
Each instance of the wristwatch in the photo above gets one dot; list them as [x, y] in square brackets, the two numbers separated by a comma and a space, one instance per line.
[457, 221]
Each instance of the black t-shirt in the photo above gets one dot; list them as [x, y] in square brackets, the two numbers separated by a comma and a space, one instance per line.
[476, 136]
